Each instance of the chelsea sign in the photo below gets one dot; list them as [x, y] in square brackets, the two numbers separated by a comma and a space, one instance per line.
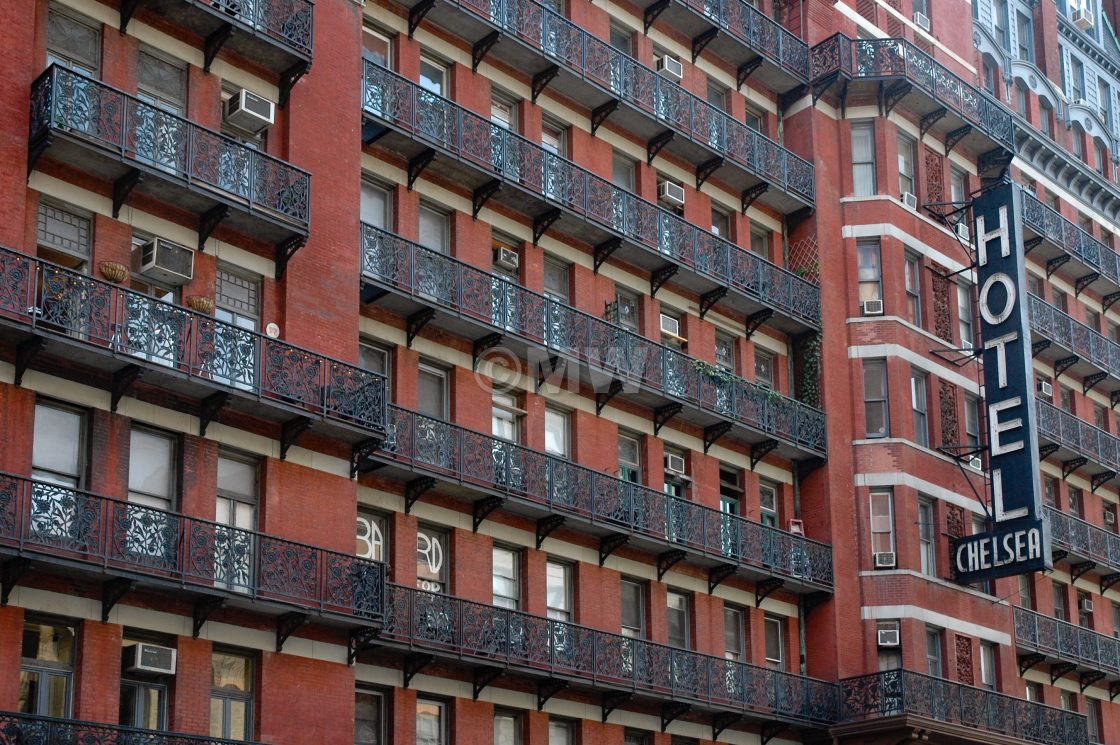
[1017, 540]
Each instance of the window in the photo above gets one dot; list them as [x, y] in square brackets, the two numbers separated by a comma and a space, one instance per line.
[1049, 490]
[507, 730]
[374, 359]
[73, 41]
[1116, 621]
[506, 578]
[1065, 398]
[629, 462]
[1076, 81]
[913, 276]
[754, 119]
[433, 75]
[1001, 24]
[431, 559]
[622, 172]
[1109, 517]
[369, 718]
[918, 385]
[882, 522]
[558, 591]
[1034, 285]
[143, 703]
[620, 38]
[1061, 601]
[627, 309]
[505, 417]
[1026, 591]
[875, 412]
[557, 428]
[958, 184]
[635, 737]
[763, 367]
[435, 229]
[1045, 118]
[374, 207]
[725, 351]
[431, 727]
[557, 280]
[1078, 142]
[905, 164]
[933, 652]
[760, 243]
[161, 83]
[47, 669]
[733, 633]
[717, 95]
[1074, 500]
[863, 159]
[231, 696]
[237, 514]
[1022, 100]
[1067, 701]
[1093, 319]
[152, 471]
[774, 630]
[1093, 719]
[1034, 692]
[768, 503]
[432, 392]
[971, 421]
[1025, 35]
[633, 609]
[553, 138]
[676, 618]
[869, 271]
[721, 223]
[922, 6]
[237, 306]
[988, 669]
[377, 46]
[674, 480]
[372, 529]
[927, 537]
[561, 733]
[59, 445]
[64, 235]
[989, 74]
[1100, 157]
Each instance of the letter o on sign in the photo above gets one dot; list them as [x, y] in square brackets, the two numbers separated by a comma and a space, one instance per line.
[991, 318]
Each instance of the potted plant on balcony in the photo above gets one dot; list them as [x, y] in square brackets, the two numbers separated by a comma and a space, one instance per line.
[201, 303]
[113, 271]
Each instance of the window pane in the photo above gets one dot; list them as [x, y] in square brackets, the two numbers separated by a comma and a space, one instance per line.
[57, 445]
[151, 465]
[368, 718]
[774, 640]
[431, 560]
[632, 609]
[429, 723]
[504, 578]
[237, 478]
[231, 672]
[556, 432]
[558, 593]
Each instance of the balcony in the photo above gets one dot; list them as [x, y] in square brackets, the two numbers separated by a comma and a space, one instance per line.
[1077, 444]
[1074, 348]
[277, 35]
[558, 653]
[408, 278]
[890, 72]
[58, 320]
[1067, 647]
[129, 546]
[1055, 240]
[500, 165]
[614, 85]
[489, 472]
[955, 712]
[143, 149]
[24, 728]
[1086, 546]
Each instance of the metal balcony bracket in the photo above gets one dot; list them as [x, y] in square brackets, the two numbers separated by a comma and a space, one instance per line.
[204, 607]
[1100, 479]
[709, 299]
[1031, 244]
[1027, 661]
[542, 222]
[756, 319]
[603, 398]
[416, 14]
[415, 489]
[652, 11]
[713, 432]
[706, 169]
[770, 730]
[1089, 382]
[482, 509]
[1039, 347]
[604, 250]
[543, 78]
[1108, 580]
[764, 588]
[286, 625]
[815, 600]
[797, 217]
[1056, 263]
[702, 40]
[288, 80]
[671, 711]
[414, 662]
[372, 132]
[1114, 398]
[360, 453]
[890, 97]
[482, 345]
[600, 113]
[290, 432]
[547, 688]
[1082, 282]
[285, 250]
[746, 199]
[662, 415]
[371, 293]
[25, 354]
[123, 186]
[128, 7]
[1071, 465]
[484, 675]
[657, 143]
[608, 544]
[10, 575]
[717, 574]
[660, 276]
[954, 137]
[1078, 570]
[993, 164]
[209, 408]
[790, 97]
[360, 640]
[417, 164]
[1110, 299]
[612, 700]
[759, 450]
[111, 593]
[821, 86]
[1058, 669]
[123, 380]
[482, 47]
[209, 221]
[667, 559]
[721, 720]
[214, 43]
[746, 70]
[806, 466]
[1045, 451]
[416, 322]
[1058, 554]
[1113, 690]
[545, 527]
[930, 119]
[35, 148]
[1064, 364]
[546, 369]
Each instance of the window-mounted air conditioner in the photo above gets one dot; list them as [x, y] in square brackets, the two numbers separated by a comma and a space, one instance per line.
[1086, 605]
[674, 464]
[506, 258]
[884, 560]
[872, 307]
[1110, 518]
[670, 326]
[888, 636]
[249, 112]
[149, 658]
[910, 200]
[1082, 17]
[165, 262]
[1045, 388]
[963, 232]
[670, 67]
[671, 193]
[921, 20]
[975, 462]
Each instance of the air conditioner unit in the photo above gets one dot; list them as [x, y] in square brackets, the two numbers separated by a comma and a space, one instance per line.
[671, 193]
[975, 462]
[796, 527]
[249, 112]
[1045, 388]
[1086, 605]
[872, 307]
[670, 326]
[149, 658]
[921, 20]
[506, 258]
[165, 262]
[910, 200]
[888, 637]
[1082, 17]
[884, 560]
[674, 463]
[963, 232]
[670, 67]
[1110, 518]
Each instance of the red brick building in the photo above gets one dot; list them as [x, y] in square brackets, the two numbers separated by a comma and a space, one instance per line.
[635, 343]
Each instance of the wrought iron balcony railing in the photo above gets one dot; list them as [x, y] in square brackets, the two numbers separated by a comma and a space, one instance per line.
[626, 356]
[171, 151]
[47, 520]
[1088, 441]
[1070, 238]
[496, 151]
[902, 692]
[1086, 344]
[474, 459]
[840, 56]
[1083, 539]
[132, 328]
[541, 646]
[34, 730]
[1067, 642]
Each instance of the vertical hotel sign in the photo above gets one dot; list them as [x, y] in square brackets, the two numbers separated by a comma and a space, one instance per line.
[1017, 539]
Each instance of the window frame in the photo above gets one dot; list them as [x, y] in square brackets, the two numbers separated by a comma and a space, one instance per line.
[863, 171]
[227, 696]
[877, 367]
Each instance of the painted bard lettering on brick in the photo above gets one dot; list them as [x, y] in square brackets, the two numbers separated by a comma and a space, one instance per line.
[1016, 540]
